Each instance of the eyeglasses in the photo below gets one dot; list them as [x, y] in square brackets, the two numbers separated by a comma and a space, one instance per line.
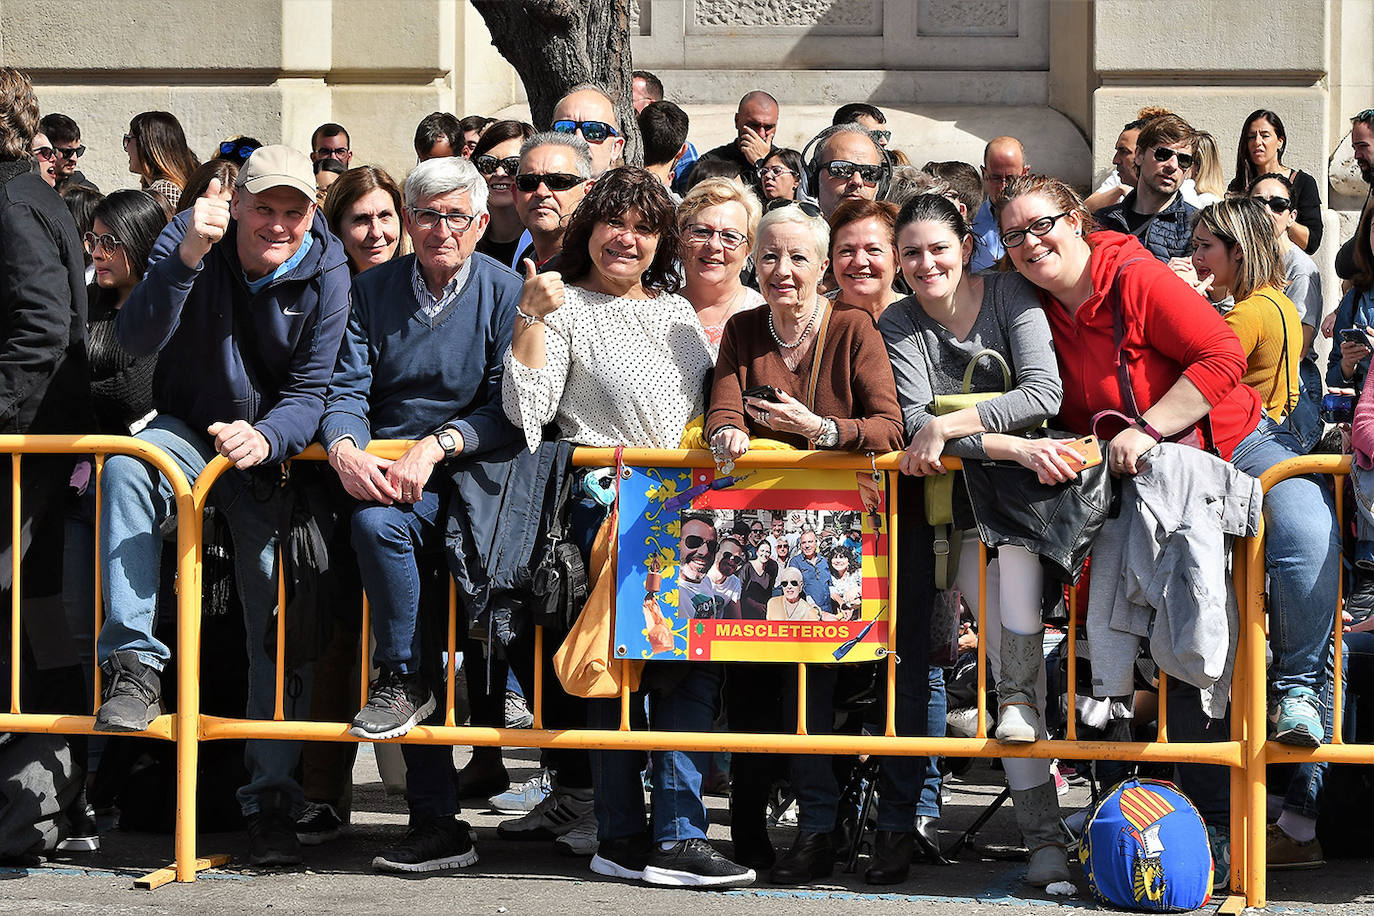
[1037, 228]
[337, 152]
[592, 131]
[71, 152]
[774, 171]
[844, 170]
[46, 153]
[106, 243]
[488, 165]
[458, 223]
[790, 583]
[698, 234]
[731, 557]
[693, 541]
[881, 137]
[529, 182]
[1277, 204]
[999, 179]
[230, 148]
[1164, 154]
[809, 209]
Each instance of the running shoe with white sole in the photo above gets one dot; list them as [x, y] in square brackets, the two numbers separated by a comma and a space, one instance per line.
[559, 813]
[396, 703]
[523, 798]
[694, 863]
[438, 844]
[580, 840]
[624, 857]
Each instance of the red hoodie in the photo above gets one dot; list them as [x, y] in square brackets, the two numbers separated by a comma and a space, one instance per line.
[1169, 331]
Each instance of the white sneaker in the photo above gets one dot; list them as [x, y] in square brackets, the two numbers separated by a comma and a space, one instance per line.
[523, 798]
[556, 815]
[580, 840]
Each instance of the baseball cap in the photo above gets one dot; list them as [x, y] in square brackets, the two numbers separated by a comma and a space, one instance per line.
[277, 167]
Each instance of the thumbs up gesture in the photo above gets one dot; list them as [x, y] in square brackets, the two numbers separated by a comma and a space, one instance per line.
[209, 220]
[543, 293]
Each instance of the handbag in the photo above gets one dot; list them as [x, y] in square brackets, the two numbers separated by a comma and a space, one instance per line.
[559, 583]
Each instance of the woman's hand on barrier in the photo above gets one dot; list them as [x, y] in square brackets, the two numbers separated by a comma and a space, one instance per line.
[729, 443]
[1126, 449]
[362, 474]
[1051, 459]
[240, 443]
[409, 473]
[543, 293]
[922, 456]
[786, 415]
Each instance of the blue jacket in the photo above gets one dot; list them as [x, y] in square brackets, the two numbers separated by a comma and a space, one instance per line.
[1355, 311]
[1167, 234]
[227, 354]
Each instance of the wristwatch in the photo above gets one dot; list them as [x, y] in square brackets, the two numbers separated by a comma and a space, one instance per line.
[447, 441]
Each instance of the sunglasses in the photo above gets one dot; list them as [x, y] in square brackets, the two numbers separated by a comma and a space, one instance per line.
[488, 165]
[46, 153]
[844, 170]
[1277, 204]
[731, 557]
[554, 181]
[128, 138]
[881, 137]
[230, 148]
[766, 172]
[693, 541]
[1037, 228]
[71, 152]
[790, 583]
[809, 209]
[1164, 154]
[698, 234]
[458, 223]
[106, 243]
[592, 131]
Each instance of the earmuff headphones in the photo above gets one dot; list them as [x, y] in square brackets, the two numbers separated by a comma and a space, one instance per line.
[811, 156]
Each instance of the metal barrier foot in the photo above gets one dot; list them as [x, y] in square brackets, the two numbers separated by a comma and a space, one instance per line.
[154, 880]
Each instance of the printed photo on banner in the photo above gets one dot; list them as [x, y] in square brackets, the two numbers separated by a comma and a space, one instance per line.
[761, 565]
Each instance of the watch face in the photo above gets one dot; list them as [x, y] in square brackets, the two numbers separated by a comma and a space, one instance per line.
[446, 442]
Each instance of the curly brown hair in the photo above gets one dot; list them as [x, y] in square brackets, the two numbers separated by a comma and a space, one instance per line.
[18, 115]
[616, 193]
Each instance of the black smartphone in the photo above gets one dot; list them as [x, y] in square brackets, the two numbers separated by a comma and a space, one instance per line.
[763, 393]
[1355, 336]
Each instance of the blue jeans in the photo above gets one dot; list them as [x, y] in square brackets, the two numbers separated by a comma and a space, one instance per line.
[1304, 422]
[1305, 787]
[1363, 484]
[1303, 555]
[137, 500]
[386, 539]
[689, 705]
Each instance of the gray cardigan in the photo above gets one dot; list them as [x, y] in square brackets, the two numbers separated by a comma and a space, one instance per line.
[928, 360]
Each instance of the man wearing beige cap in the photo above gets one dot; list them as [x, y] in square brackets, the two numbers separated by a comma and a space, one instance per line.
[245, 304]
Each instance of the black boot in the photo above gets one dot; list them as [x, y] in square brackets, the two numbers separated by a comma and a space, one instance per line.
[891, 863]
[812, 856]
[928, 840]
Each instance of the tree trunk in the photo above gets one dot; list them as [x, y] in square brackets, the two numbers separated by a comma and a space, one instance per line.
[556, 44]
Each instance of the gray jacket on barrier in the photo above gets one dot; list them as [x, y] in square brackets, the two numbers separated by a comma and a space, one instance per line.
[1161, 571]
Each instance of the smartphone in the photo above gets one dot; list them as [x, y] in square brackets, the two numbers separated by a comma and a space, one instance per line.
[1089, 451]
[763, 393]
[1338, 407]
[1355, 336]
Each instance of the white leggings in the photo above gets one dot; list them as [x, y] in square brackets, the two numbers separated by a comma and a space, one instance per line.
[1014, 584]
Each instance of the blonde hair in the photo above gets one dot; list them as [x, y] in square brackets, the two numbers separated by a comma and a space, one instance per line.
[1209, 179]
[712, 192]
[1245, 222]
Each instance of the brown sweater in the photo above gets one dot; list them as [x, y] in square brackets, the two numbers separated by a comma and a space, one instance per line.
[855, 390]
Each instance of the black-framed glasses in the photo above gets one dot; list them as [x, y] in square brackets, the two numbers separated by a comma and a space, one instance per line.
[1277, 204]
[46, 153]
[105, 243]
[881, 137]
[732, 557]
[774, 171]
[529, 182]
[337, 152]
[1164, 154]
[70, 152]
[487, 165]
[1015, 237]
[698, 234]
[230, 148]
[805, 207]
[693, 541]
[592, 131]
[425, 218]
[790, 583]
[843, 169]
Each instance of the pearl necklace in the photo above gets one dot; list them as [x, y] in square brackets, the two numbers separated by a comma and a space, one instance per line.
[806, 330]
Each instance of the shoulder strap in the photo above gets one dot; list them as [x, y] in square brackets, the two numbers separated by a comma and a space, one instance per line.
[816, 357]
[1287, 386]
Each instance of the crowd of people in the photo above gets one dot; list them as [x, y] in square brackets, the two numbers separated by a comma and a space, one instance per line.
[523, 289]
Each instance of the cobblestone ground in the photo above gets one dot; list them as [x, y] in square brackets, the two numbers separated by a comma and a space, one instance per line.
[521, 878]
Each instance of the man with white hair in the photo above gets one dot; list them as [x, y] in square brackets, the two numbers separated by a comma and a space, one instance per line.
[421, 360]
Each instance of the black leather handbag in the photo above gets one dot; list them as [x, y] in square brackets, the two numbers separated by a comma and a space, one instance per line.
[559, 584]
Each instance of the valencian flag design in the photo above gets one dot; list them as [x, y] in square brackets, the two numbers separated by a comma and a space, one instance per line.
[756, 565]
[1145, 848]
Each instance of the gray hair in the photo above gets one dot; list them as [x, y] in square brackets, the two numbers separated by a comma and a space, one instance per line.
[840, 130]
[909, 181]
[436, 177]
[581, 151]
[820, 232]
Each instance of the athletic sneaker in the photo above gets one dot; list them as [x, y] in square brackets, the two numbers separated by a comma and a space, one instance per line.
[522, 799]
[1285, 852]
[518, 715]
[1300, 719]
[319, 823]
[694, 863]
[624, 857]
[396, 703]
[1220, 843]
[580, 840]
[556, 815]
[85, 833]
[438, 844]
